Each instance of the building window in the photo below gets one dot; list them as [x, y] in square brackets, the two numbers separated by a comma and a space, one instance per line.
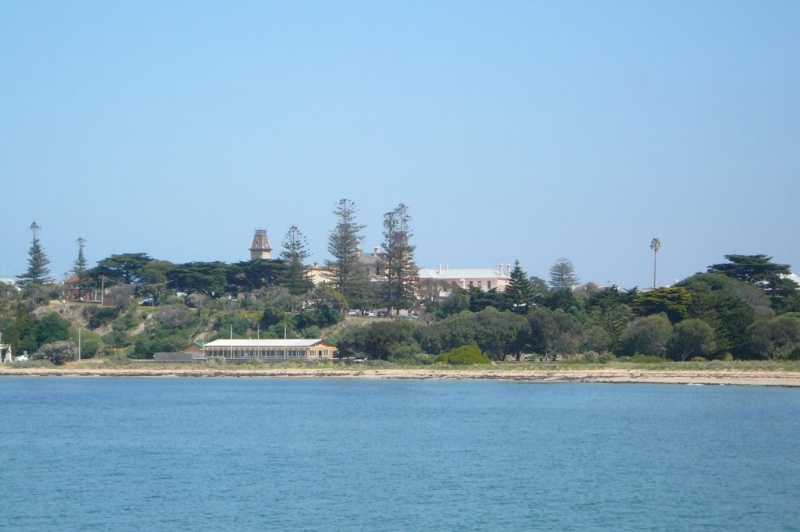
[480, 284]
[488, 285]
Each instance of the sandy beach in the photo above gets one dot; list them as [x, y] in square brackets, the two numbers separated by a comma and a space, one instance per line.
[612, 375]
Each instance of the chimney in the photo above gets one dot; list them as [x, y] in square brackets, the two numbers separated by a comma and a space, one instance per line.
[501, 268]
[439, 269]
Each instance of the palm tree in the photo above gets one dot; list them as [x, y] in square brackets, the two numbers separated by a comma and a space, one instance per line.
[655, 245]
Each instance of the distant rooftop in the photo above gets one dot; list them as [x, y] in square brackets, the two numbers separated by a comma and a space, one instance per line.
[236, 342]
[452, 274]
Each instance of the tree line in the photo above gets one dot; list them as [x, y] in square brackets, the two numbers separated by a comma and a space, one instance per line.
[743, 308]
[276, 294]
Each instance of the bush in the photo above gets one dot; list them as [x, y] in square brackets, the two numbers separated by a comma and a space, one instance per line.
[117, 338]
[91, 343]
[699, 359]
[99, 316]
[605, 358]
[311, 332]
[601, 358]
[412, 359]
[378, 340]
[464, 356]
[125, 322]
[57, 352]
[52, 328]
[174, 316]
[146, 346]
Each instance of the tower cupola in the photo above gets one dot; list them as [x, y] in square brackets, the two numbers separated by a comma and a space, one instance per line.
[260, 248]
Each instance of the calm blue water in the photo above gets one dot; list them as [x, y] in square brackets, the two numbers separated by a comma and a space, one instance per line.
[254, 454]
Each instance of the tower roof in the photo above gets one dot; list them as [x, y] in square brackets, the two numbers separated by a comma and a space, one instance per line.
[260, 241]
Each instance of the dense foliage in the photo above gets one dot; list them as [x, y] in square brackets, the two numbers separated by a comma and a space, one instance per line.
[467, 355]
[746, 308]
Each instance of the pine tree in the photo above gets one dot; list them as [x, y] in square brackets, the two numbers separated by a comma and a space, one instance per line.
[562, 275]
[519, 291]
[349, 276]
[397, 260]
[295, 252]
[757, 269]
[79, 268]
[37, 272]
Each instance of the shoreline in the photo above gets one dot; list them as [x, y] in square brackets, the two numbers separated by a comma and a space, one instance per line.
[608, 376]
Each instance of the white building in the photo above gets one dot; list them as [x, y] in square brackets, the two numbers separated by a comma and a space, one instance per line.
[483, 278]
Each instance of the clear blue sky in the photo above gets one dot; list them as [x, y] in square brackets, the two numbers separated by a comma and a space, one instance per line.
[512, 130]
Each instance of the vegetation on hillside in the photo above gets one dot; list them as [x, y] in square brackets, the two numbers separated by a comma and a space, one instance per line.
[745, 308]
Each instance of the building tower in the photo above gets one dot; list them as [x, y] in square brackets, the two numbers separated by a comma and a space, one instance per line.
[260, 248]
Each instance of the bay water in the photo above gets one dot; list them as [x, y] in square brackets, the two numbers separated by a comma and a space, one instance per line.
[328, 454]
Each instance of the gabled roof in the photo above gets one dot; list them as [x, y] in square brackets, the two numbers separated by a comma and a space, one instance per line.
[289, 343]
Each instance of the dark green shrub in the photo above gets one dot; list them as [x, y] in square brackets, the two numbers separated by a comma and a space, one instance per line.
[99, 316]
[117, 338]
[146, 345]
[411, 357]
[464, 356]
[794, 354]
[52, 328]
[91, 343]
[125, 322]
[605, 358]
